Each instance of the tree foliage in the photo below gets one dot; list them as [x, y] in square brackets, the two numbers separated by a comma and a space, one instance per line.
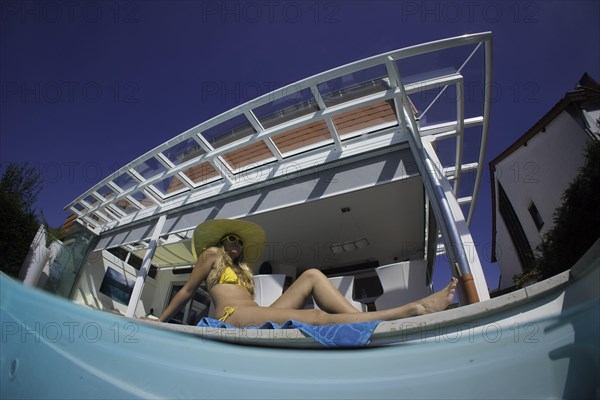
[576, 223]
[19, 188]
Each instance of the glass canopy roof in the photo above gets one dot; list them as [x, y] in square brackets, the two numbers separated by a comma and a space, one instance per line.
[447, 83]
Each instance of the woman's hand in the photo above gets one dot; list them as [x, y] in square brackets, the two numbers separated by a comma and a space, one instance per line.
[150, 318]
[203, 266]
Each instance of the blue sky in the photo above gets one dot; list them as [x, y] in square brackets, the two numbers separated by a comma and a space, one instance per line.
[88, 86]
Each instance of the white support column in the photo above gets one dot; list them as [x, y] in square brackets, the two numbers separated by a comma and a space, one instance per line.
[443, 200]
[36, 259]
[486, 125]
[334, 134]
[460, 134]
[466, 240]
[143, 272]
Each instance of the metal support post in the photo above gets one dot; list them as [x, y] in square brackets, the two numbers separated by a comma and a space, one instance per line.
[433, 186]
[445, 219]
[143, 272]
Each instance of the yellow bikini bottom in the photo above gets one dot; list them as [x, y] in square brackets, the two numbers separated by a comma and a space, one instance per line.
[228, 312]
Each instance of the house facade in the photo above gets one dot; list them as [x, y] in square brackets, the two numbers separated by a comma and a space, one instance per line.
[529, 177]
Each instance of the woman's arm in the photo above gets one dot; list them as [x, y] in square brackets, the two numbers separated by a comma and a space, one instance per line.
[204, 264]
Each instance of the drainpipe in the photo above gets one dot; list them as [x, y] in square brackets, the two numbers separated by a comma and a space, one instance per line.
[143, 272]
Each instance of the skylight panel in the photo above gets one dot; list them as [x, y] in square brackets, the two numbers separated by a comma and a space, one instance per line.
[106, 192]
[125, 205]
[96, 218]
[228, 131]
[184, 151]
[170, 186]
[355, 85]
[438, 102]
[91, 200]
[150, 168]
[125, 181]
[293, 105]
[143, 199]
[436, 105]
[442, 62]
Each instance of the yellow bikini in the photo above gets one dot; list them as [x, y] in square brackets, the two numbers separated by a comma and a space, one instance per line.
[228, 277]
[228, 312]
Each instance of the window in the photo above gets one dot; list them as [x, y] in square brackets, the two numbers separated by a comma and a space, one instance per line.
[515, 230]
[535, 214]
[116, 286]
[132, 260]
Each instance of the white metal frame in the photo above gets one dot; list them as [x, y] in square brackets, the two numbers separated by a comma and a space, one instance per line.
[230, 177]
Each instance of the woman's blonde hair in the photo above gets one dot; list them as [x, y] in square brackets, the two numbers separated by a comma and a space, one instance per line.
[240, 268]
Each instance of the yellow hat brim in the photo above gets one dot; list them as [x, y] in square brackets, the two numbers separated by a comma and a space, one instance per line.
[210, 233]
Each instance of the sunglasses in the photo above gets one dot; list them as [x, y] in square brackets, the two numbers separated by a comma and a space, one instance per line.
[233, 238]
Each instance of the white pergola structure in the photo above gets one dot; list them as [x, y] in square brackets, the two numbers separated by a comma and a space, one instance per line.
[433, 99]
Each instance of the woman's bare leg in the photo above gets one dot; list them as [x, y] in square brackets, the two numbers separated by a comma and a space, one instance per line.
[256, 316]
[313, 283]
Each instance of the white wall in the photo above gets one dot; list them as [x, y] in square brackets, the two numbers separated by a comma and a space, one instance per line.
[506, 255]
[538, 172]
[87, 289]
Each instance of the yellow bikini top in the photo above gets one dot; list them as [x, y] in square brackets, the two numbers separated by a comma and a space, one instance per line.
[228, 276]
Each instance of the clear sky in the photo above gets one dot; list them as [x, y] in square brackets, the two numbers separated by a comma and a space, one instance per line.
[88, 86]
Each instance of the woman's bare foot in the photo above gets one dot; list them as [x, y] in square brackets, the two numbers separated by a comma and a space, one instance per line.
[438, 301]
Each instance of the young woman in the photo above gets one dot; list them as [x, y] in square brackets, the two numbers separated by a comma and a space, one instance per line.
[224, 247]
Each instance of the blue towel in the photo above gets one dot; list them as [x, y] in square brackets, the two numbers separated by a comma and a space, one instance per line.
[343, 335]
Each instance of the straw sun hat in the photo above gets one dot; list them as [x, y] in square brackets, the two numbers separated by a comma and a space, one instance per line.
[210, 233]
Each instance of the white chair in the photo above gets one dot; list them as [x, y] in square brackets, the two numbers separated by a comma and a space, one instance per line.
[402, 283]
[345, 284]
[268, 288]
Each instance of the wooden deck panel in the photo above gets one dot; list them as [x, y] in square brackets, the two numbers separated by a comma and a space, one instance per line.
[250, 154]
[303, 136]
[354, 120]
[201, 173]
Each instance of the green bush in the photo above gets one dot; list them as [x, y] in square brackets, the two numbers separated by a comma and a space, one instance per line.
[19, 187]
